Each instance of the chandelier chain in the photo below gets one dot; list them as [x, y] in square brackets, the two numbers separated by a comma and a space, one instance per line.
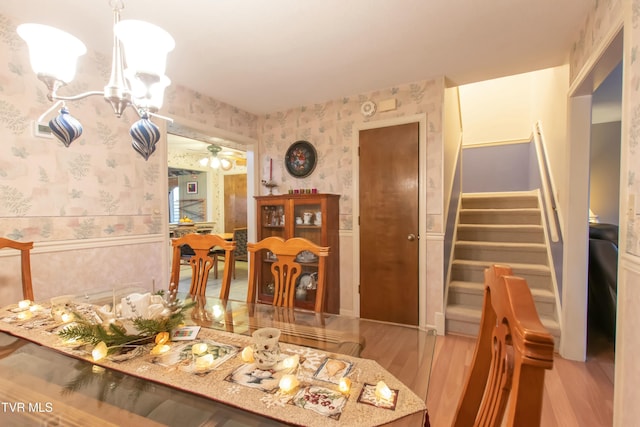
[116, 5]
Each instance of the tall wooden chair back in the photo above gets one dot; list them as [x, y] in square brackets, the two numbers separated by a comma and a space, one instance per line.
[201, 262]
[286, 269]
[25, 261]
[512, 352]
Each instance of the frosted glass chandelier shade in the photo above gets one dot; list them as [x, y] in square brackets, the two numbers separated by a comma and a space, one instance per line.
[145, 46]
[52, 52]
[147, 94]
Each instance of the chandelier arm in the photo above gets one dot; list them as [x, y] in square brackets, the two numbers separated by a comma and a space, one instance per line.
[49, 110]
[76, 97]
[169, 119]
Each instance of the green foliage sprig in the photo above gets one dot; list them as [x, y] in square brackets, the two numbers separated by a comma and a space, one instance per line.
[115, 336]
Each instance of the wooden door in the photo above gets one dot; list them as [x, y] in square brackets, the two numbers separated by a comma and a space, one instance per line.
[389, 223]
[235, 202]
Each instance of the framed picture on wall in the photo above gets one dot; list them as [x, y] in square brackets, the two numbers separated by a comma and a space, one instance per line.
[192, 187]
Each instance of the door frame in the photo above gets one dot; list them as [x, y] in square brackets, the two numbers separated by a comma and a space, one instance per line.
[421, 119]
[573, 345]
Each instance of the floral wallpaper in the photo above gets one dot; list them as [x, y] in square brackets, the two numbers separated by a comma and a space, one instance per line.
[330, 127]
[606, 14]
[603, 19]
[99, 186]
[631, 106]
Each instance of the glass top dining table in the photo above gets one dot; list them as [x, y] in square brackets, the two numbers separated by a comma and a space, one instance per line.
[40, 385]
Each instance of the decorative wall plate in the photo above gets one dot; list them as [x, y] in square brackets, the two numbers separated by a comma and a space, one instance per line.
[301, 159]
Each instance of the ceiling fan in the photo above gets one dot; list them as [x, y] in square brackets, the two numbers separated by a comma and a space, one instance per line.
[222, 158]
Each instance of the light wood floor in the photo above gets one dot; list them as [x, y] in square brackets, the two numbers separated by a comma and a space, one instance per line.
[576, 394]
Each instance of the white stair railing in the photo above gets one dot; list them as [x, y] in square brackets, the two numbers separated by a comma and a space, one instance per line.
[548, 187]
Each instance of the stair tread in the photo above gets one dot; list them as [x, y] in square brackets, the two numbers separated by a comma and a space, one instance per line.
[464, 286]
[533, 267]
[502, 194]
[527, 227]
[536, 246]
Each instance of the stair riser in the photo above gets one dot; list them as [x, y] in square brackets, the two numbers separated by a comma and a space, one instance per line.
[492, 217]
[465, 273]
[470, 328]
[512, 236]
[465, 298]
[461, 327]
[545, 307]
[501, 255]
[499, 202]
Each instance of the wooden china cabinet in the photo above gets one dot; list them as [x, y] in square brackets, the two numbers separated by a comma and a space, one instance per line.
[314, 217]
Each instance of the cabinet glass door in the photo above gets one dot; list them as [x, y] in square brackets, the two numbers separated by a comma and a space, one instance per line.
[308, 221]
[273, 221]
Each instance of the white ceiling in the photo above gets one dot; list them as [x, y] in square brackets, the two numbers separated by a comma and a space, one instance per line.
[266, 56]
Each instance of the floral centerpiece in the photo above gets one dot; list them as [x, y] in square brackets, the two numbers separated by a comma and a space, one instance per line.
[136, 321]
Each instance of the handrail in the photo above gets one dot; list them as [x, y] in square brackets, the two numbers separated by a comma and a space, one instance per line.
[548, 189]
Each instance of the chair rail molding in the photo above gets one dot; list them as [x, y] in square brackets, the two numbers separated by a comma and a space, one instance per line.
[103, 242]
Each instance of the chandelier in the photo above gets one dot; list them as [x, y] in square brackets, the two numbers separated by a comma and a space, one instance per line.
[137, 79]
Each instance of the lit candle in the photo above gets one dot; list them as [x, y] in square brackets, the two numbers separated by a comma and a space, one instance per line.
[344, 385]
[288, 383]
[199, 348]
[383, 391]
[162, 337]
[160, 349]
[99, 351]
[35, 307]
[247, 354]
[25, 315]
[66, 317]
[291, 362]
[204, 362]
[24, 304]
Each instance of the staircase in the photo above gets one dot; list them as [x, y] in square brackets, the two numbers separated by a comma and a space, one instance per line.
[499, 228]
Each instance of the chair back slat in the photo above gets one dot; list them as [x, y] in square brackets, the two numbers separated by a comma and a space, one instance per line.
[202, 261]
[512, 352]
[25, 263]
[285, 269]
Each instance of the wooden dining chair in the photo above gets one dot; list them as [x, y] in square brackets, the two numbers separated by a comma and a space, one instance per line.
[512, 351]
[25, 261]
[201, 262]
[285, 269]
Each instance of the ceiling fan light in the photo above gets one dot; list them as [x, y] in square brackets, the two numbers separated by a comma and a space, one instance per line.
[225, 164]
[52, 52]
[204, 161]
[215, 162]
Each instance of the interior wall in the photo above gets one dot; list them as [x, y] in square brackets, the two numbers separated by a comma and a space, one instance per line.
[332, 128]
[97, 196]
[497, 110]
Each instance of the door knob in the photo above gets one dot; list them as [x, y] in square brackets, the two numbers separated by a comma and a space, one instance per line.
[411, 237]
